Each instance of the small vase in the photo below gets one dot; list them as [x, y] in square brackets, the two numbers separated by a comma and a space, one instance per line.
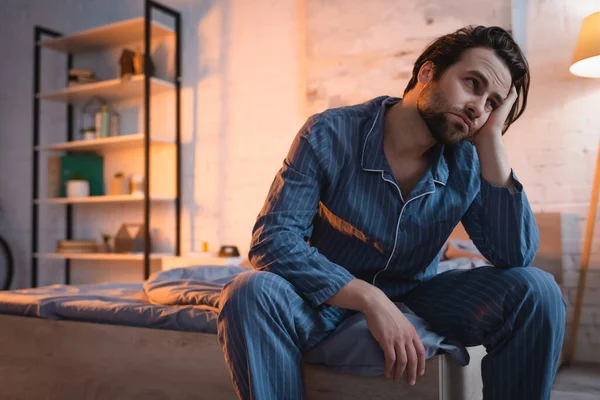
[78, 188]
[89, 135]
[105, 248]
[119, 185]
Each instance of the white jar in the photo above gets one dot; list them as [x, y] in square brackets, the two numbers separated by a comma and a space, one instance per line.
[78, 188]
[137, 185]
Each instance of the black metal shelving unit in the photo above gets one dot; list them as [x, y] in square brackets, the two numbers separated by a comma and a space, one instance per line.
[41, 32]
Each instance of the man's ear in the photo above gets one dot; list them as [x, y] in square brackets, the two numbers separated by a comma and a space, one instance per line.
[426, 73]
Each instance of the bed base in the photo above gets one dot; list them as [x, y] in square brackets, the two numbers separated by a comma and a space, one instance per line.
[49, 359]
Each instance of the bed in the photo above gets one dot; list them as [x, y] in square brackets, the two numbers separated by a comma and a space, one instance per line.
[43, 358]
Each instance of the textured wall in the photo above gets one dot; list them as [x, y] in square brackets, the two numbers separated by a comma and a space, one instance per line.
[354, 54]
[555, 145]
[241, 107]
[357, 51]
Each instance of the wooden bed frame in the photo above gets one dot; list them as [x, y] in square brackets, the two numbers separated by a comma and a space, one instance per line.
[44, 359]
[49, 359]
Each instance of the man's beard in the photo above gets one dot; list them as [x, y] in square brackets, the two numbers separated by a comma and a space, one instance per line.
[433, 108]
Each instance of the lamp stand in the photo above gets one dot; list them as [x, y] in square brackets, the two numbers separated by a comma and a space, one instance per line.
[585, 259]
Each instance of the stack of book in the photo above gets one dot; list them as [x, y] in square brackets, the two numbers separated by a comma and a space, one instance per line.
[76, 246]
[78, 76]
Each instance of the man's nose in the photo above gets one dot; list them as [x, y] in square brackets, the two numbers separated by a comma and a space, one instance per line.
[475, 109]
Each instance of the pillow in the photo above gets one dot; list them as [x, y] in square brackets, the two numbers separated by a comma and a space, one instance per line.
[462, 249]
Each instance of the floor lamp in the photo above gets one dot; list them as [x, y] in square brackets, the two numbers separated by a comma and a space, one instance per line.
[586, 63]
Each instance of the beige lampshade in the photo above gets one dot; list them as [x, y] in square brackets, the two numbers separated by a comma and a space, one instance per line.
[586, 59]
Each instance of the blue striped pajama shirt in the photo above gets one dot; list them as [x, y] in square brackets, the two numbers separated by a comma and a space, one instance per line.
[334, 212]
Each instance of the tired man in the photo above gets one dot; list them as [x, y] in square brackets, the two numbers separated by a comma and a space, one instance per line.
[358, 214]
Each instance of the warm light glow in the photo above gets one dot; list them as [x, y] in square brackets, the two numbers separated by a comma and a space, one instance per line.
[588, 68]
[586, 58]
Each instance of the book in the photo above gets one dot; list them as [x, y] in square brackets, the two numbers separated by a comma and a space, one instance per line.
[81, 72]
[53, 177]
[87, 166]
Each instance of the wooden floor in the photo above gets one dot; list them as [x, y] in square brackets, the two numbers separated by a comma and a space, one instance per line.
[577, 382]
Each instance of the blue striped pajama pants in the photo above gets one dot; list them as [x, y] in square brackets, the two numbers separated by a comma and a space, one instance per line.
[518, 314]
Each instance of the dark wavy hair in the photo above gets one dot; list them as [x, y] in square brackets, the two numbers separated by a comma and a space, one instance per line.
[446, 51]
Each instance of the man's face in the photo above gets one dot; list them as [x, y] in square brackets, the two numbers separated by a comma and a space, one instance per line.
[458, 105]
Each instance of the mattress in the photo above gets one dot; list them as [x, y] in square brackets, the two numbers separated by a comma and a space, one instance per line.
[111, 303]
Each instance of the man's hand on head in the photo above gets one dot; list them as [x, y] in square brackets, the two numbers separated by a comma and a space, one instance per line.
[492, 129]
[493, 160]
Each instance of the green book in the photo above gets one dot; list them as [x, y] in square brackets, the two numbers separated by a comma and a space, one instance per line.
[82, 166]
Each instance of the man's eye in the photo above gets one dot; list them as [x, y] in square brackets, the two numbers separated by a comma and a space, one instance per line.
[491, 104]
[473, 82]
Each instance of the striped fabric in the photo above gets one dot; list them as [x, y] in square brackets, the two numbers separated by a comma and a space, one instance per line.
[335, 212]
[518, 314]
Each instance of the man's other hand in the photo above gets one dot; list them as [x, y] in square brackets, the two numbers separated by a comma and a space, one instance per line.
[401, 345]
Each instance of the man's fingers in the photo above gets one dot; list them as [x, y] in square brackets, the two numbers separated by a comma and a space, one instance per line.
[390, 358]
[411, 354]
[510, 100]
[512, 94]
[420, 356]
[400, 361]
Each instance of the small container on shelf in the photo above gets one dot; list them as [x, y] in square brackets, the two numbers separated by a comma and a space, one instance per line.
[105, 247]
[78, 188]
[229, 251]
[137, 185]
[88, 133]
[119, 185]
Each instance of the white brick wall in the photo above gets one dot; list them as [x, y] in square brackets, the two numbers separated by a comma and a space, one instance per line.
[360, 52]
[556, 143]
[243, 96]
[357, 51]
[241, 106]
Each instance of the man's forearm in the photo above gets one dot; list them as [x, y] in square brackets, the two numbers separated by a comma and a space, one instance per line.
[357, 295]
[502, 222]
[493, 161]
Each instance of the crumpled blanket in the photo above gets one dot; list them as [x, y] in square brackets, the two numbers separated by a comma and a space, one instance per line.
[350, 348]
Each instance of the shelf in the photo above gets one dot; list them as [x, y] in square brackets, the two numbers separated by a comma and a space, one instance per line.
[102, 199]
[109, 143]
[106, 36]
[109, 90]
[160, 166]
[197, 259]
[101, 256]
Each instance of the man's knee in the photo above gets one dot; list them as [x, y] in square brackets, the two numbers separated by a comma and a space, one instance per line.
[542, 293]
[253, 291]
